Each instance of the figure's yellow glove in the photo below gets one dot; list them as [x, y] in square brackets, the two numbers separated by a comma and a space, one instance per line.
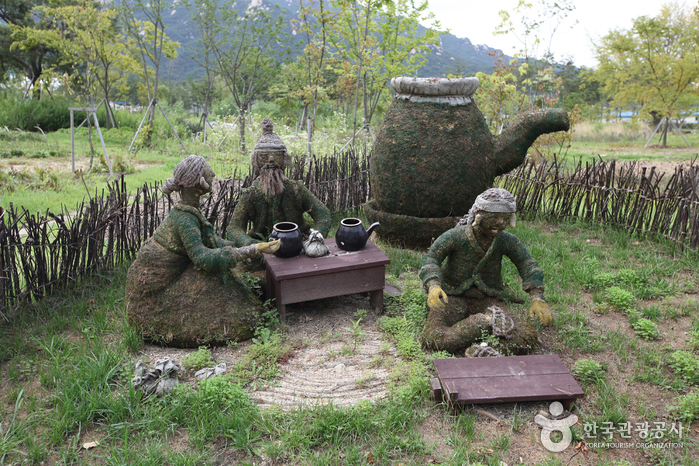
[269, 248]
[541, 310]
[437, 298]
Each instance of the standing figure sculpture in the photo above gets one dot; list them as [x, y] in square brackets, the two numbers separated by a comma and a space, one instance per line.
[179, 290]
[273, 198]
[462, 272]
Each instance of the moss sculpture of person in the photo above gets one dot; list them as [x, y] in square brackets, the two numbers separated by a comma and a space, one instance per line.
[179, 290]
[273, 198]
[466, 294]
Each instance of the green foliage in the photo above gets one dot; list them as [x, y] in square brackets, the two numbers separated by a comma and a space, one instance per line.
[198, 360]
[18, 136]
[685, 364]
[686, 407]
[261, 362]
[26, 114]
[619, 298]
[646, 329]
[405, 319]
[693, 340]
[635, 64]
[12, 430]
[219, 407]
[589, 370]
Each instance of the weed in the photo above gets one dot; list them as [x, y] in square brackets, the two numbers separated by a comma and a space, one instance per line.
[219, 407]
[619, 298]
[252, 282]
[589, 371]
[261, 362]
[360, 314]
[198, 360]
[465, 424]
[357, 334]
[364, 380]
[500, 443]
[686, 407]
[579, 337]
[693, 340]
[685, 364]
[647, 329]
[652, 312]
[12, 431]
[517, 420]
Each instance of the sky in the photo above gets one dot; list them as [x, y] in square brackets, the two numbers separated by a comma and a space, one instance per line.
[476, 20]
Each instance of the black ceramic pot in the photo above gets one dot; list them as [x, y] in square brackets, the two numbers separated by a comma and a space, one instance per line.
[291, 239]
[351, 235]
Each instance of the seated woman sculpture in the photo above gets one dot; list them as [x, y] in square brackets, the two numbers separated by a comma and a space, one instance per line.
[179, 290]
[464, 263]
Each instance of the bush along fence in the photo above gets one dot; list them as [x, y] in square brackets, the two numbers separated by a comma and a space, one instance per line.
[42, 252]
[630, 196]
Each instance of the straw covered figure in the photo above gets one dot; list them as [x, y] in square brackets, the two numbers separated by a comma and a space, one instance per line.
[467, 298]
[273, 198]
[179, 290]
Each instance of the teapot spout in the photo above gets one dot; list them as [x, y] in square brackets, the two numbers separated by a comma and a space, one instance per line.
[512, 145]
[371, 228]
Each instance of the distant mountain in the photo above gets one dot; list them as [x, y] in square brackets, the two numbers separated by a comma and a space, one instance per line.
[454, 55]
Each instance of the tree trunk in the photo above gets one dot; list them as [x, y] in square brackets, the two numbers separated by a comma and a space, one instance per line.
[242, 130]
[304, 116]
[665, 128]
[89, 139]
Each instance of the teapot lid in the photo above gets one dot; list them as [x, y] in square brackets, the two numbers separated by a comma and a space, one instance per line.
[453, 91]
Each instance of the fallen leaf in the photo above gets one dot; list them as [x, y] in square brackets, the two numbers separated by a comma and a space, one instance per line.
[89, 445]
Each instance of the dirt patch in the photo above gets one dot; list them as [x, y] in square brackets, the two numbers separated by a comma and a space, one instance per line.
[339, 362]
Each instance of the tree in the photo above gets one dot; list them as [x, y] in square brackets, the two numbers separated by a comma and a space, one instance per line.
[654, 65]
[85, 35]
[379, 39]
[148, 44]
[28, 59]
[246, 44]
[315, 24]
[534, 28]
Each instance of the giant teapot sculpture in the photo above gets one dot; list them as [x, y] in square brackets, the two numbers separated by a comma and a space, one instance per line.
[434, 154]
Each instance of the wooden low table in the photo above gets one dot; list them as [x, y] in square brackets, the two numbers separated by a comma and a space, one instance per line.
[504, 379]
[301, 278]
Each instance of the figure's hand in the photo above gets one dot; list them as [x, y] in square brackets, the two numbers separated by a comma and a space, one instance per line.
[437, 298]
[541, 310]
[269, 248]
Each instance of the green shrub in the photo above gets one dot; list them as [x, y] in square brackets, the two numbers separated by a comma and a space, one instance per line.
[686, 407]
[49, 114]
[198, 360]
[16, 136]
[588, 370]
[646, 329]
[619, 298]
[693, 339]
[686, 364]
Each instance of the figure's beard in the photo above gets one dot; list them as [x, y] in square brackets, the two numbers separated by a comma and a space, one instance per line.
[272, 180]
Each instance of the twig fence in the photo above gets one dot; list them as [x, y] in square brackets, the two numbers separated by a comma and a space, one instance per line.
[631, 196]
[39, 253]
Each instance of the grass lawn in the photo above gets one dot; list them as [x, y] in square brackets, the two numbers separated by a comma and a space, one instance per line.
[626, 324]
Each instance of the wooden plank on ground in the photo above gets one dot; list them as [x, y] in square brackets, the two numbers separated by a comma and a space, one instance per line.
[505, 379]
